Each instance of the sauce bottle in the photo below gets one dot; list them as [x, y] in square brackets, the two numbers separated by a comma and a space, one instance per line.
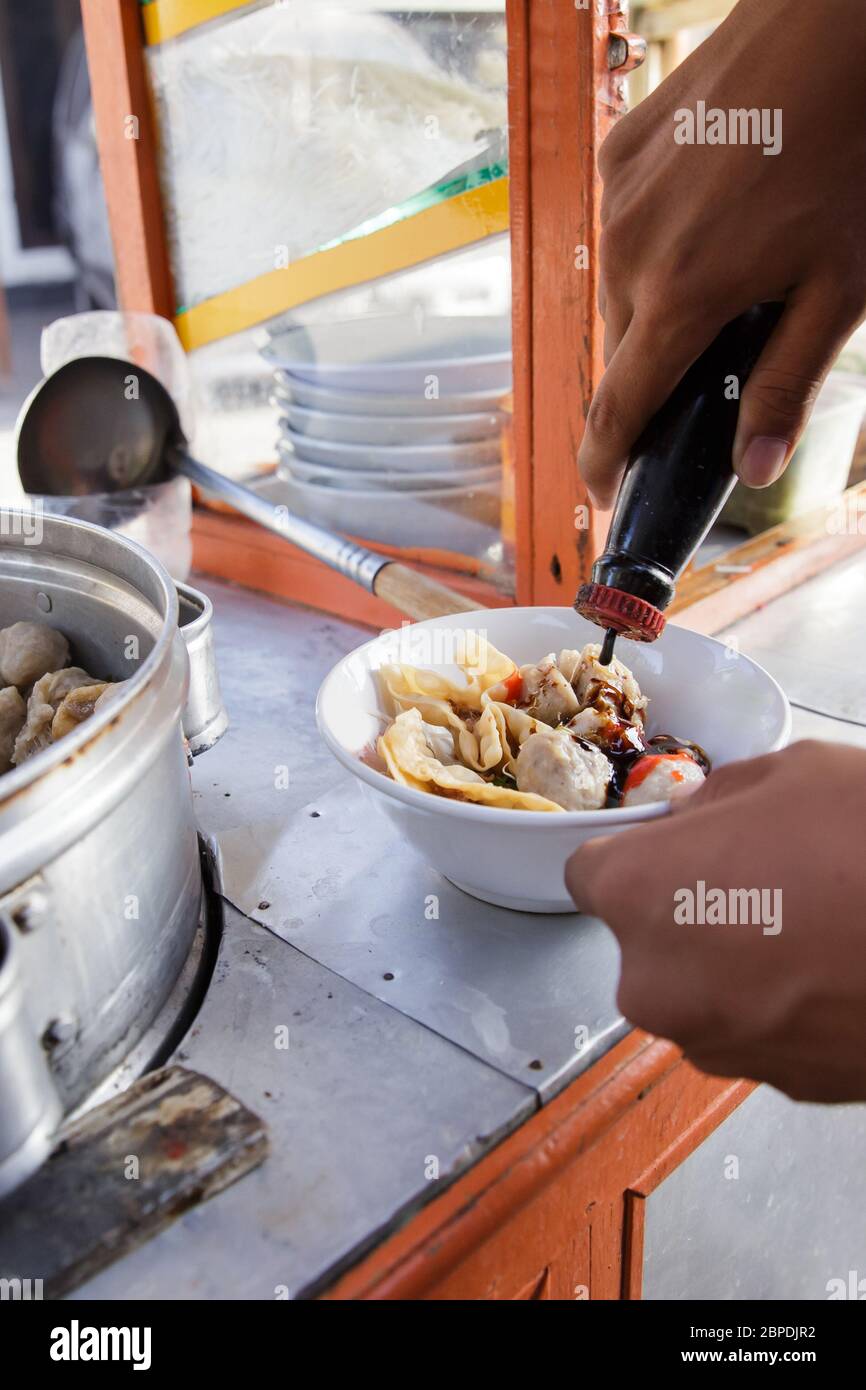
[679, 476]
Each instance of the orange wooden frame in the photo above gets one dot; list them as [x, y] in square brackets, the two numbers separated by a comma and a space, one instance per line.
[128, 154]
[563, 98]
[551, 1213]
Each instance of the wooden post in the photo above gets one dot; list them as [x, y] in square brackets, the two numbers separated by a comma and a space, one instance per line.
[128, 154]
[563, 99]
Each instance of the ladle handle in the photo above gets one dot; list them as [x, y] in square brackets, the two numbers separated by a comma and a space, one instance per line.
[406, 590]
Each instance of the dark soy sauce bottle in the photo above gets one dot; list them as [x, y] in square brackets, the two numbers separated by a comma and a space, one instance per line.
[679, 476]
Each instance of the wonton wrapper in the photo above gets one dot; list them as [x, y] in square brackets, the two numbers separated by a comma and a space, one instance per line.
[76, 707]
[410, 760]
[588, 669]
[13, 713]
[46, 696]
[478, 743]
[491, 668]
[515, 726]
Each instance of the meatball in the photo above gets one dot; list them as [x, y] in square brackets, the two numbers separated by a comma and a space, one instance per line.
[547, 695]
[29, 651]
[661, 777]
[555, 765]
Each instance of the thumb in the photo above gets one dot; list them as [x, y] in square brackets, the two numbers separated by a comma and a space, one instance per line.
[583, 871]
[781, 391]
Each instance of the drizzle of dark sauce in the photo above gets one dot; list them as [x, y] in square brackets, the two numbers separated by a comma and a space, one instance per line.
[624, 743]
[666, 743]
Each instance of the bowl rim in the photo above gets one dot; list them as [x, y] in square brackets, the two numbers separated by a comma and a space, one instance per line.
[488, 445]
[490, 487]
[481, 400]
[403, 421]
[366, 478]
[503, 816]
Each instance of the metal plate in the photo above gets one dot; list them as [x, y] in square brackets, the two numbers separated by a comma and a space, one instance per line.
[531, 995]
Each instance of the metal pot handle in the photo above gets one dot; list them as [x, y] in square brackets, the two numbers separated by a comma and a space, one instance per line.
[204, 717]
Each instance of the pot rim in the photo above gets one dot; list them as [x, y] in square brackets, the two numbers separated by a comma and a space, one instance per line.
[18, 779]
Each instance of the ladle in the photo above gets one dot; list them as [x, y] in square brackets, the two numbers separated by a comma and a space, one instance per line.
[103, 425]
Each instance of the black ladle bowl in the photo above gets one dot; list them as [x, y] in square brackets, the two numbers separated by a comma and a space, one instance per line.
[97, 424]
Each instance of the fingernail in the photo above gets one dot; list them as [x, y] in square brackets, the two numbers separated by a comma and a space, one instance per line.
[764, 461]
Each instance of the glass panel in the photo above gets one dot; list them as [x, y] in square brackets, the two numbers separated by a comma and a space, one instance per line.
[363, 152]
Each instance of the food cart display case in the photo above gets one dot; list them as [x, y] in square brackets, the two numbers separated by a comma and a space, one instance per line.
[273, 173]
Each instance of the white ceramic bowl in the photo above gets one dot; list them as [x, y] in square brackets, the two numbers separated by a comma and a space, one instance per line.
[399, 352]
[421, 458]
[336, 400]
[292, 468]
[699, 690]
[388, 429]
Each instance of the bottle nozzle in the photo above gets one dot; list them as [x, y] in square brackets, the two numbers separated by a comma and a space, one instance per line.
[607, 648]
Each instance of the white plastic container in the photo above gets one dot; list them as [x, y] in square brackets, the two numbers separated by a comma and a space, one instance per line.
[819, 470]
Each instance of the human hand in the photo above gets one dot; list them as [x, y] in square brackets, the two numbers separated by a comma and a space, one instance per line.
[695, 234]
[780, 997]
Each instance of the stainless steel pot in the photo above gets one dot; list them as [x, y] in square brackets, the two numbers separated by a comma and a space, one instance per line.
[100, 879]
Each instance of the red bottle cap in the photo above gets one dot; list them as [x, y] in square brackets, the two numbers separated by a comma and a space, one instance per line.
[613, 608]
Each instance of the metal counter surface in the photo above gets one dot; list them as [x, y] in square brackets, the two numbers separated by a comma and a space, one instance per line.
[303, 854]
[415, 1042]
